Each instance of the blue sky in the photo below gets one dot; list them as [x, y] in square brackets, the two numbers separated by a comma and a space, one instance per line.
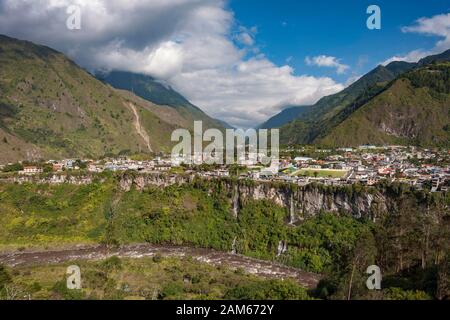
[241, 61]
[296, 29]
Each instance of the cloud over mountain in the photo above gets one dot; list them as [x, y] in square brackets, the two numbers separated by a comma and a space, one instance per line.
[327, 61]
[195, 45]
[438, 26]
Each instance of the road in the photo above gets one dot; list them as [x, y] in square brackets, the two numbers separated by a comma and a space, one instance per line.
[266, 269]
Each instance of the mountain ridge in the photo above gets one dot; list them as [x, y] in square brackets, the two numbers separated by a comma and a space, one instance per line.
[378, 74]
[52, 108]
[283, 117]
[157, 92]
[330, 111]
[414, 109]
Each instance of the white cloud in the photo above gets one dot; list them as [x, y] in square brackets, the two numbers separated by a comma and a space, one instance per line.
[192, 44]
[253, 91]
[412, 56]
[327, 61]
[438, 25]
[163, 62]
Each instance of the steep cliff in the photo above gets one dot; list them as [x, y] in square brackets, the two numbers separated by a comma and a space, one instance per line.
[301, 202]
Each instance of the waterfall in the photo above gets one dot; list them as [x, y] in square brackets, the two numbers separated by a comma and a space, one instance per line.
[235, 200]
[282, 248]
[292, 218]
[233, 247]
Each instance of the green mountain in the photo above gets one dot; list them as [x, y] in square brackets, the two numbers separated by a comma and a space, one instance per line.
[284, 117]
[442, 57]
[307, 126]
[52, 108]
[414, 109]
[315, 125]
[159, 93]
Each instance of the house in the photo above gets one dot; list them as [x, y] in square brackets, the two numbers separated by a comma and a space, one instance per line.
[30, 170]
[162, 167]
[345, 149]
[265, 174]
[367, 147]
[58, 167]
[303, 159]
[222, 173]
[435, 182]
[93, 168]
[69, 163]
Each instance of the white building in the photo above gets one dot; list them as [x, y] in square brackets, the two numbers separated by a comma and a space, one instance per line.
[30, 170]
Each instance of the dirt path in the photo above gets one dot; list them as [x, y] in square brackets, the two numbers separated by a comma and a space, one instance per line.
[137, 124]
[261, 268]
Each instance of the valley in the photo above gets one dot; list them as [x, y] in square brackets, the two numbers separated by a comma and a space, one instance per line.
[260, 268]
[88, 178]
[321, 229]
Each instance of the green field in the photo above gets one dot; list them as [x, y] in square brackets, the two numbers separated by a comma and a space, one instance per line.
[320, 173]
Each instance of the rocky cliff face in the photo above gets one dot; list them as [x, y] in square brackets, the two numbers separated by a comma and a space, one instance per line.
[140, 182]
[302, 202]
[307, 201]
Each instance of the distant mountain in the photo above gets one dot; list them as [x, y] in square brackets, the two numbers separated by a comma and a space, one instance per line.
[331, 111]
[158, 92]
[52, 108]
[226, 125]
[442, 57]
[298, 118]
[284, 117]
[414, 109]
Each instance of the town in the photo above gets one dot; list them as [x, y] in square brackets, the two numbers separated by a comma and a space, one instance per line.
[366, 165]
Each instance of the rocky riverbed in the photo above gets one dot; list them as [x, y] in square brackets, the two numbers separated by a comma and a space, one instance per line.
[266, 269]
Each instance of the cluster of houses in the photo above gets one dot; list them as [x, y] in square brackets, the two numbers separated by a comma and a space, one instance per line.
[369, 165]
[366, 165]
[120, 164]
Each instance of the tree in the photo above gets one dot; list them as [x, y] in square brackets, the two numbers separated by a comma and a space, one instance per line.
[48, 168]
[5, 280]
[13, 167]
[443, 279]
[80, 164]
[363, 256]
